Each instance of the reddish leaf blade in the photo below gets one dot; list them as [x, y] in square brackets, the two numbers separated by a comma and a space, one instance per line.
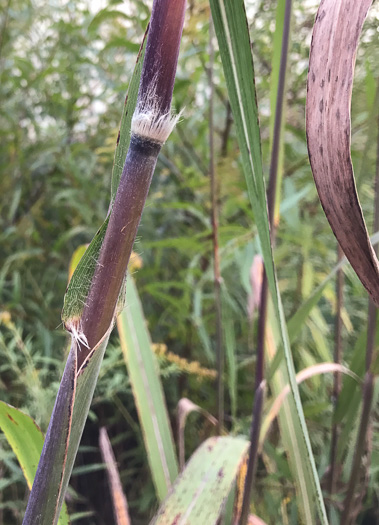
[330, 80]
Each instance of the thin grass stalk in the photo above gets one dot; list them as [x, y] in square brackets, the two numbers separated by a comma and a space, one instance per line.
[273, 174]
[226, 131]
[259, 371]
[215, 242]
[257, 405]
[349, 513]
[337, 377]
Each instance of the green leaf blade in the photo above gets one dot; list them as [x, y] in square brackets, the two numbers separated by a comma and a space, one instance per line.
[26, 440]
[233, 36]
[147, 391]
[200, 493]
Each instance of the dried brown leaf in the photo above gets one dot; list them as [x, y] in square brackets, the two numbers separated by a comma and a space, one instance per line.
[335, 39]
[120, 504]
[184, 408]
[311, 371]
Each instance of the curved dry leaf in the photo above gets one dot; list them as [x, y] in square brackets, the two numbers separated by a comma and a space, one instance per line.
[307, 373]
[330, 80]
[120, 504]
[184, 408]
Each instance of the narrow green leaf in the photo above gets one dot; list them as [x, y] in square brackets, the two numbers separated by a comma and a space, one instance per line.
[148, 392]
[290, 430]
[198, 320]
[200, 493]
[232, 32]
[26, 440]
[350, 399]
[349, 390]
[234, 43]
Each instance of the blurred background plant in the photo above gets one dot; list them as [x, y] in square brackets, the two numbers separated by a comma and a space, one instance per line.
[64, 72]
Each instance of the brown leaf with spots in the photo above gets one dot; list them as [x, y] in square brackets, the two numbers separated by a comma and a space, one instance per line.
[335, 39]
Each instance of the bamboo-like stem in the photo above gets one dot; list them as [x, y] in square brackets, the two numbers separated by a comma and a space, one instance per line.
[154, 103]
[337, 377]
[216, 253]
[273, 175]
[151, 126]
[47, 484]
[349, 512]
[118, 242]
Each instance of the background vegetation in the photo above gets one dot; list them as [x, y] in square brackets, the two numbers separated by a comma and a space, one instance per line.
[64, 72]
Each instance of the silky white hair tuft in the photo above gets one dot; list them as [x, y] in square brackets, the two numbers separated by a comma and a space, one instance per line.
[148, 122]
[74, 327]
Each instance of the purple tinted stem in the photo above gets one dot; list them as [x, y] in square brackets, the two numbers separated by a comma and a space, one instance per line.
[162, 50]
[118, 242]
[157, 79]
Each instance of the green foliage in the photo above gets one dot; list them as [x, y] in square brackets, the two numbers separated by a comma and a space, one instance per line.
[64, 70]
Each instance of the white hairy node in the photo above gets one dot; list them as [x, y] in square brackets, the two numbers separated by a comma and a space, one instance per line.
[148, 121]
[76, 332]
